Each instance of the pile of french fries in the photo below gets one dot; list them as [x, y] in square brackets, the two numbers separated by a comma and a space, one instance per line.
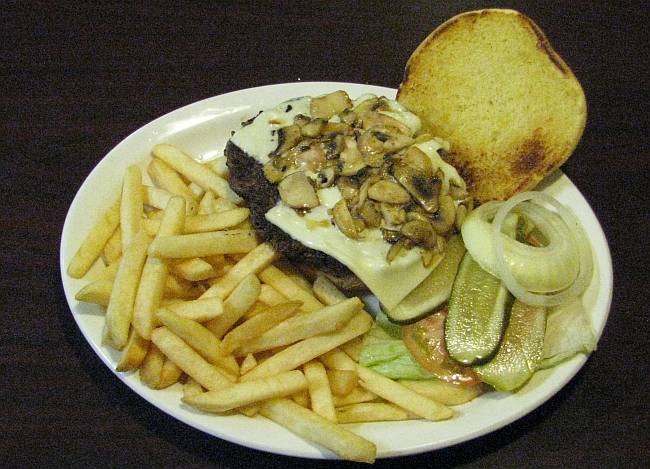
[192, 297]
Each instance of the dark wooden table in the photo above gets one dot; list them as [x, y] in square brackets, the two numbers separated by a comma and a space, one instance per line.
[79, 77]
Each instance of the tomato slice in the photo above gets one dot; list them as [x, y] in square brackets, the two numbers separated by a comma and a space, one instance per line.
[425, 340]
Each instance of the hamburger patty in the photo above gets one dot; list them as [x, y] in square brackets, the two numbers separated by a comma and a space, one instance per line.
[248, 181]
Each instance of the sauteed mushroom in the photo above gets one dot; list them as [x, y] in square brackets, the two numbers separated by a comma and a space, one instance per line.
[296, 191]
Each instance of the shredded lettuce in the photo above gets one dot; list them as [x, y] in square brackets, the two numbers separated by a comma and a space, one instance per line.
[568, 332]
[384, 352]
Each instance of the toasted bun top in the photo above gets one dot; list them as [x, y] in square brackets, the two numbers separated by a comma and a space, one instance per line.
[490, 83]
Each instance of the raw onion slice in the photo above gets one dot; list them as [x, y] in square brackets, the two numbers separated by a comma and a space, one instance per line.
[573, 232]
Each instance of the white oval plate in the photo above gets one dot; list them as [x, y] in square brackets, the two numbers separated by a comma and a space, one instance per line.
[202, 129]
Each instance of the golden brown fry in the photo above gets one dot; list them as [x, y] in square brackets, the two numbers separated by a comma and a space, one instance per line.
[356, 396]
[194, 171]
[398, 394]
[287, 287]
[113, 247]
[176, 287]
[241, 299]
[338, 360]
[342, 382]
[199, 310]
[444, 392]
[154, 273]
[270, 296]
[253, 262]
[250, 410]
[206, 204]
[166, 178]
[109, 272]
[131, 208]
[304, 325]
[219, 166]
[133, 353]
[94, 242]
[320, 393]
[203, 244]
[370, 412]
[308, 349]
[326, 291]
[119, 312]
[242, 394]
[188, 360]
[221, 205]
[353, 348]
[319, 430]
[97, 292]
[259, 324]
[302, 398]
[200, 339]
[159, 198]
[151, 367]
[247, 364]
[191, 388]
[208, 222]
[194, 270]
[169, 374]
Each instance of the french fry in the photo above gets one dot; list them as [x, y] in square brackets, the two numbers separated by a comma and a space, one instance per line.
[444, 392]
[338, 360]
[113, 247]
[287, 287]
[201, 340]
[405, 398]
[109, 272]
[194, 270]
[159, 198]
[342, 382]
[270, 296]
[194, 171]
[169, 374]
[326, 291]
[203, 244]
[133, 353]
[295, 275]
[302, 399]
[191, 388]
[166, 178]
[119, 312]
[219, 166]
[241, 299]
[356, 396]
[205, 206]
[151, 367]
[242, 394]
[259, 324]
[199, 310]
[208, 222]
[308, 349]
[247, 364]
[180, 288]
[370, 412]
[188, 360]
[98, 292]
[253, 262]
[319, 430]
[132, 205]
[198, 191]
[320, 393]
[353, 348]
[250, 410]
[154, 273]
[94, 242]
[304, 325]
[258, 308]
[221, 205]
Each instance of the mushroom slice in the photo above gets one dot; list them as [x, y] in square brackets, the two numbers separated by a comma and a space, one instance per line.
[351, 159]
[388, 191]
[334, 128]
[430, 257]
[390, 236]
[348, 116]
[272, 173]
[330, 104]
[288, 137]
[394, 250]
[367, 105]
[348, 187]
[372, 119]
[311, 157]
[325, 177]
[344, 220]
[301, 120]
[372, 148]
[393, 215]
[370, 214]
[395, 142]
[313, 128]
[420, 232]
[444, 218]
[419, 160]
[423, 189]
[297, 192]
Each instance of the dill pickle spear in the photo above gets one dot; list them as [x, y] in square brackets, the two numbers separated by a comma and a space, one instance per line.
[521, 350]
[477, 308]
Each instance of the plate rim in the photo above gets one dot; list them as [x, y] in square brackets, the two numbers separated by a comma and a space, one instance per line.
[576, 363]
